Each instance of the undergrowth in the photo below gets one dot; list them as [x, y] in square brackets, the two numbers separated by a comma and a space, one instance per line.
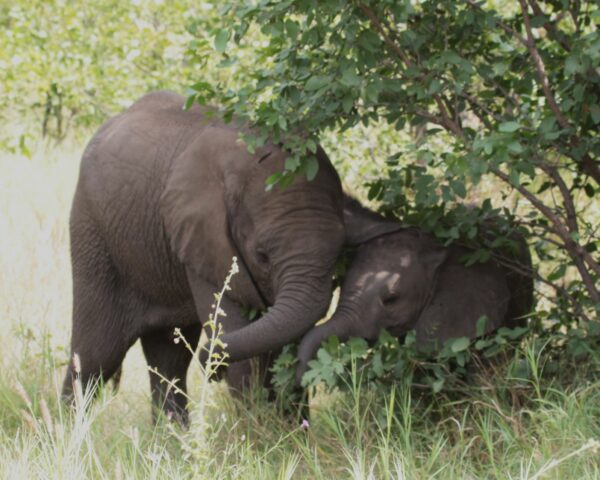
[495, 427]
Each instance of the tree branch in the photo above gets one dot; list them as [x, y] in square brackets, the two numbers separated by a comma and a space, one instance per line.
[560, 290]
[541, 69]
[549, 26]
[500, 23]
[447, 119]
[575, 250]
[587, 164]
[571, 214]
[386, 38]
[575, 14]
[444, 119]
[474, 101]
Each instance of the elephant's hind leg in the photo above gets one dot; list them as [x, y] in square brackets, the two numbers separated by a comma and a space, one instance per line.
[104, 313]
[169, 362]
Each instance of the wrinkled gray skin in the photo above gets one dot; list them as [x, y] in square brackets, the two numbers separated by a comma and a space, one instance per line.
[165, 199]
[402, 279]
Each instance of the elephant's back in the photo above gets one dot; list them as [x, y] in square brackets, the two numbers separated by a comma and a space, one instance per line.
[132, 152]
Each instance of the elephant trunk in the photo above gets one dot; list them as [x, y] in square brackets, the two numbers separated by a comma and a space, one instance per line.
[297, 307]
[339, 325]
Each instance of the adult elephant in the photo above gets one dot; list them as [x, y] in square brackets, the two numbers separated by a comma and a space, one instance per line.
[402, 279]
[165, 199]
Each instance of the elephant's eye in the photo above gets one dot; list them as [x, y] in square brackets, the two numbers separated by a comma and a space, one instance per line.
[390, 299]
[262, 256]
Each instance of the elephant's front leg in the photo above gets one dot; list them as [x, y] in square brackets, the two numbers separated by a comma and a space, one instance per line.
[169, 362]
[242, 377]
[240, 374]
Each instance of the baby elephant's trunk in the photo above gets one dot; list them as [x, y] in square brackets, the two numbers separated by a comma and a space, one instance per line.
[338, 325]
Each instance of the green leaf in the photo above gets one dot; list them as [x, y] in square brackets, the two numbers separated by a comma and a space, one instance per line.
[511, 333]
[273, 180]
[189, 101]
[316, 83]
[358, 346]
[438, 385]
[221, 39]
[589, 190]
[311, 145]
[286, 180]
[520, 370]
[460, 344]
[292, 28]
[500, 68]
[482, 323]
[372, 92]
[483, 343]
[509, 127]
[434, 87]
[559, 272]
[311, 168]
[459, 188]
[292, 162]
[451, 57]
[323, 355]
[349, 77]
[514, 177]
[282, 122]
[377, 365]
[547, 124]
[347, 103]
[595, 111]
[515, 147]
[201, 87]
[538, 21]
[572, 65]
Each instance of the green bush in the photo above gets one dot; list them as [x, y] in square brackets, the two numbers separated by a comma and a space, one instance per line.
[68, 65]
[485, 101]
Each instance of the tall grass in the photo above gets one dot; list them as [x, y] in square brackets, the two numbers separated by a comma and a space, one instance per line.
[499, 428]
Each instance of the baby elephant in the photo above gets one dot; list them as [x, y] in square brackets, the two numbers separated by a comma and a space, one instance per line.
[401, 279]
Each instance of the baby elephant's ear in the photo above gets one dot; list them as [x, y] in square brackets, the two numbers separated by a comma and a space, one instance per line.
[433, 259]
[363, 224]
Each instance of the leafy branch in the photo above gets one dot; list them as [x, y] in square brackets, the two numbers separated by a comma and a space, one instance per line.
[516, 94]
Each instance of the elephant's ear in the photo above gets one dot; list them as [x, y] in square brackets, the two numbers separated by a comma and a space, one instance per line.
[363, 224]
[193, 210]
[433, 259]
[465, 294]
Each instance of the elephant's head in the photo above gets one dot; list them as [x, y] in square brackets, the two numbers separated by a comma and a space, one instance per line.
[287, 239]
[387, 285]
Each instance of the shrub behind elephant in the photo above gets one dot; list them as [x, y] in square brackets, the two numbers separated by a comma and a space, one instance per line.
[401, 278]
[164, 200]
